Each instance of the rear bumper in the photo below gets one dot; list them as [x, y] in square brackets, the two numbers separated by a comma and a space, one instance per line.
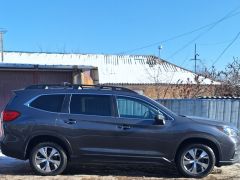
[9, 149]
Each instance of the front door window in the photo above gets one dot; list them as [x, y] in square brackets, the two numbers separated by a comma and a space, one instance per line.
[134, 108]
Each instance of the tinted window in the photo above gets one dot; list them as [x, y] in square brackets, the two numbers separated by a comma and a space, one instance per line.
[91, 104]
[51, 103]
[133, 108]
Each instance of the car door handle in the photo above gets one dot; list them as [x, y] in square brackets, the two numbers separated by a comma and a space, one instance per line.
[70, 121]
[124, 127]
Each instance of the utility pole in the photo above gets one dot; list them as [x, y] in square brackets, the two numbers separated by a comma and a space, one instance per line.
[1, 43]
[195, 59]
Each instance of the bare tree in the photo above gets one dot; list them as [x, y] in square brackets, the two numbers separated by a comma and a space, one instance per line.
[187, 89]
[229, 78]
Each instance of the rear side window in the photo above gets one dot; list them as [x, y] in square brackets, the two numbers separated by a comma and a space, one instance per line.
[52, 103]
[91, 104]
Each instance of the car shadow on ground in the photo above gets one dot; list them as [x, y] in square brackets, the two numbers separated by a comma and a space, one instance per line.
[163, 171]
[9, 166]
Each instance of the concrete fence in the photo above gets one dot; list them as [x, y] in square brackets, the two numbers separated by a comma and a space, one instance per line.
[227, 110]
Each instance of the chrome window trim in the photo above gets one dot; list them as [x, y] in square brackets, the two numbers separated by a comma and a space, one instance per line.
[35, 97]
[69, 113]
[87, 93]
[46, 111]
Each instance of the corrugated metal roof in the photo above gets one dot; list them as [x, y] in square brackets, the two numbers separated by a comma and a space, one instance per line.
[219, 97]
[120, 69]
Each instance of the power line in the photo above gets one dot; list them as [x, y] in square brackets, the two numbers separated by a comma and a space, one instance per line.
[215, 43]
[229, 15]
[189, 43]
[201, 34]
[203, 64]
[226, 48]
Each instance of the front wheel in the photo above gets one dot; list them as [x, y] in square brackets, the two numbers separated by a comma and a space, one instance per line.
[48, 159]
[196, 160]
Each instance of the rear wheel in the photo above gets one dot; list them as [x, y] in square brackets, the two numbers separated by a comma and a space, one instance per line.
[196, 160]
[48, 159]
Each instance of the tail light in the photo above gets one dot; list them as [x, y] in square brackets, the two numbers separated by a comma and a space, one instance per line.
[8, 115]
[1, 127]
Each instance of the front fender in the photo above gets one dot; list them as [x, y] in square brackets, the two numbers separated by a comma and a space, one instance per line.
[199, 138]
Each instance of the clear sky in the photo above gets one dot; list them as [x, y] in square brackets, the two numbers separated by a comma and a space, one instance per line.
[120, 26]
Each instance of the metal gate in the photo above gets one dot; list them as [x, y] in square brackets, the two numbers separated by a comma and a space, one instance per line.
[17, 79]
[227, 110]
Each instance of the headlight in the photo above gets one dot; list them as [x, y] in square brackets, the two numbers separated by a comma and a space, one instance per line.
[229, 131]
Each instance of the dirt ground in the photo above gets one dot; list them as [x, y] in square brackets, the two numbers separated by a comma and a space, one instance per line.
[11, 169]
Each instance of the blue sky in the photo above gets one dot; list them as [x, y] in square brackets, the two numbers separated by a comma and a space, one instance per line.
[119, 26]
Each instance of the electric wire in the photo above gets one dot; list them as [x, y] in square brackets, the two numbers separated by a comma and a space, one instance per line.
[229, 15]
[226, 48]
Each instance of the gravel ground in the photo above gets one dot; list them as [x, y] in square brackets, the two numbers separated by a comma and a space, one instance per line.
[12, 169]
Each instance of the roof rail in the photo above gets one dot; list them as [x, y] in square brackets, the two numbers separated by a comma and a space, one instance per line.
[79, 86]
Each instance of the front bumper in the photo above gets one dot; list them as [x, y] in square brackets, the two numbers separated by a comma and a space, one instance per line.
[235, 157]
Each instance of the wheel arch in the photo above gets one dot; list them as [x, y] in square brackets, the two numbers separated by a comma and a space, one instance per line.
[47, 138]
[206, 141]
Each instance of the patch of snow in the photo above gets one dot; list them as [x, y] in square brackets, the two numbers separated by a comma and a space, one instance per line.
[1, 155]
[114, 69]
[7, 161]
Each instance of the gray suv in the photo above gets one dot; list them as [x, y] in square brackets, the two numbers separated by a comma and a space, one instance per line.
[52, 125]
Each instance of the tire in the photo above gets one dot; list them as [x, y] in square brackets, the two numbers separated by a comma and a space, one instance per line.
[195, 160]
[48, 159]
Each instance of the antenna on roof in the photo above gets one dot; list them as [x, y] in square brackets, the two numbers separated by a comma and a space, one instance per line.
[159, 51]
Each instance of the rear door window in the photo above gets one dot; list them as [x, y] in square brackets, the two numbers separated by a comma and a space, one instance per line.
[52, 103]
[91, 104]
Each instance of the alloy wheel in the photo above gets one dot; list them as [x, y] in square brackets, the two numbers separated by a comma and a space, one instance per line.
[195, 161]
[47, 159]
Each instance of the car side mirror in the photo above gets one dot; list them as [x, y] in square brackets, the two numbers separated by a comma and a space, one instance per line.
[159, 119]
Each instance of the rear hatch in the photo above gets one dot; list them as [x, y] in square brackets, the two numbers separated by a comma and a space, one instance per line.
[2, 114]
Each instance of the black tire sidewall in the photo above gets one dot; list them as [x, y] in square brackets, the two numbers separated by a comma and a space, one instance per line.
[207, 149]
[62, 153]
